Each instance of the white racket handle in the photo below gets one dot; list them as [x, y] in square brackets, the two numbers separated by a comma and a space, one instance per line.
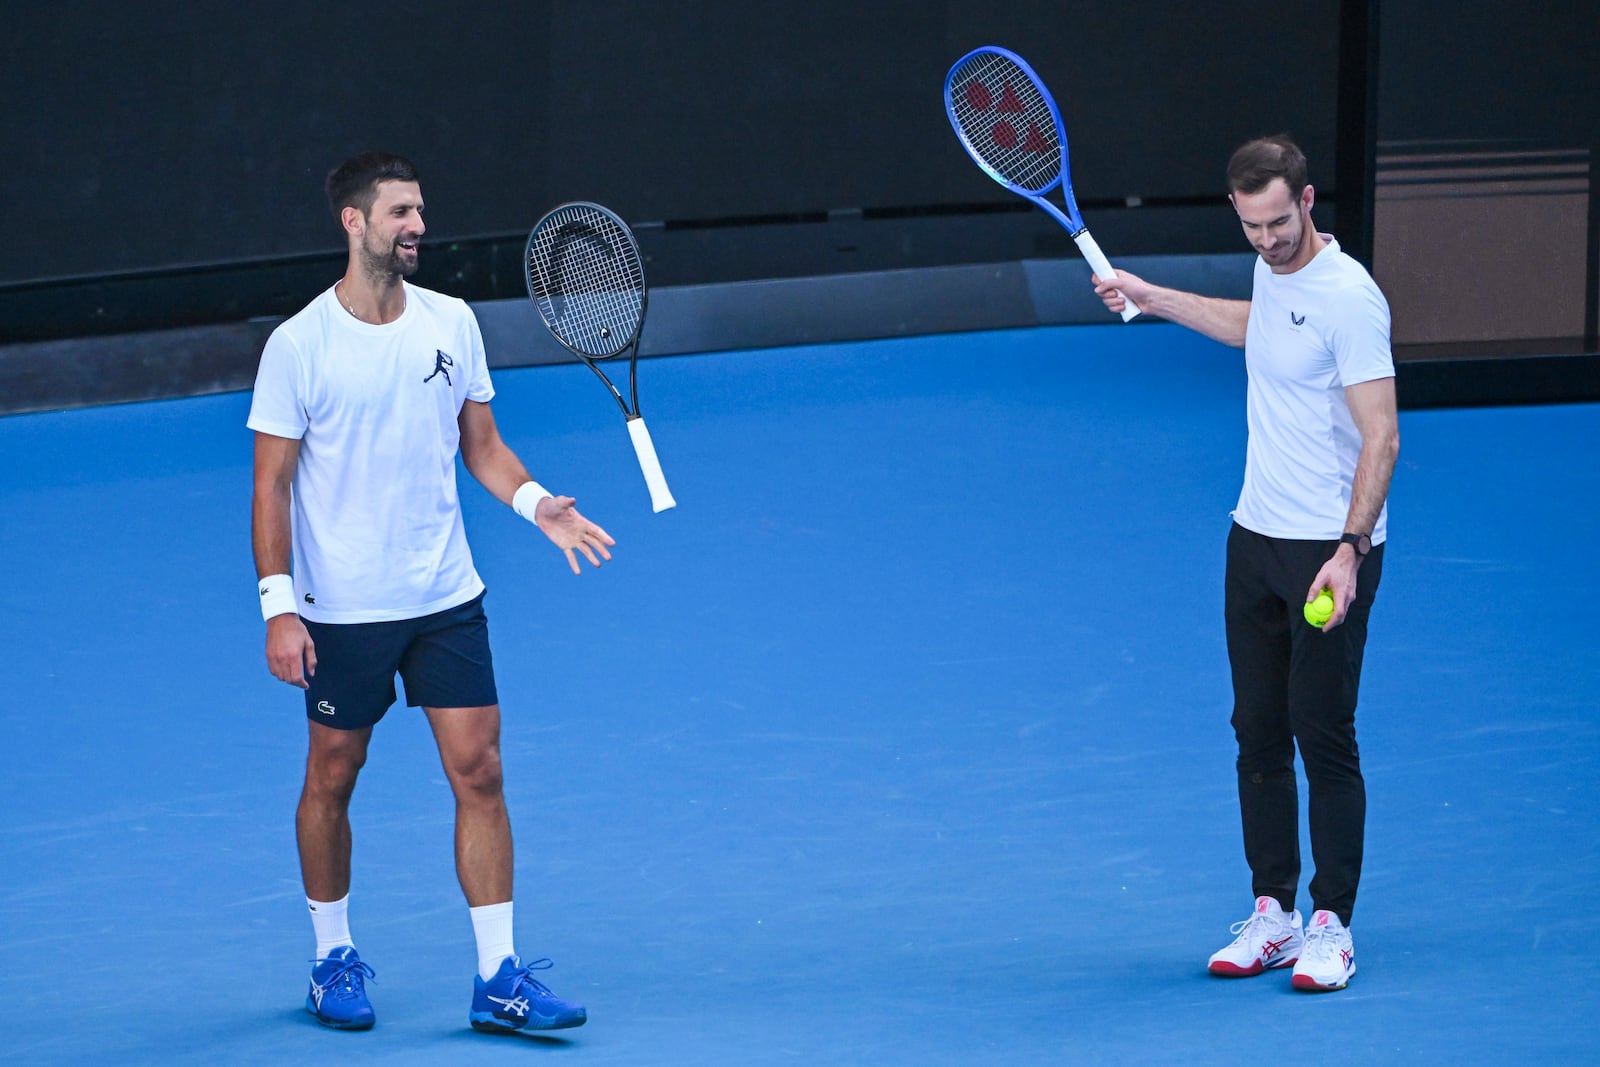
[1102, 266]
[660, 495]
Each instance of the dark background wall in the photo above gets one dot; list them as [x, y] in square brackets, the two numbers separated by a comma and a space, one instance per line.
[143, 143]
[164, 162]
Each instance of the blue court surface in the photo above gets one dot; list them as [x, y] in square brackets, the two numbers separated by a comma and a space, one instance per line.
[902, 740]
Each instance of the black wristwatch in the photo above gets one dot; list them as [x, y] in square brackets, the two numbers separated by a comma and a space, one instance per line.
[1361, 542]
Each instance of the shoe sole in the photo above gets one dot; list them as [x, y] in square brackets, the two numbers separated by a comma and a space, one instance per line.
[335, 1024]
[1307, 984]
[1224, 969]
[490, 1023]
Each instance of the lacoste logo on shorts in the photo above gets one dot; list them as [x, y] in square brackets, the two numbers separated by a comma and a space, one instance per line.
[325, 707]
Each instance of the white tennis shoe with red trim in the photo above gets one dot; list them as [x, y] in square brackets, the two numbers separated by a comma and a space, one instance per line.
[1329, 958]
[1269, 939]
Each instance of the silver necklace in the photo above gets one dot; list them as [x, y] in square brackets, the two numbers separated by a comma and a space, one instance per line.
[347, 305]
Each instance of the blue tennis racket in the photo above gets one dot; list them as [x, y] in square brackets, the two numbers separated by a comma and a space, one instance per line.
[1011, 127]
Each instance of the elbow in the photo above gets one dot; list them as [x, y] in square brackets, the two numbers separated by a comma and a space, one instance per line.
[1382, 450]
[476, 458]
[271, 498]
[270, 488]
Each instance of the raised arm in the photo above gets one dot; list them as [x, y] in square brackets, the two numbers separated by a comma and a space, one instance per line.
[1217, 318]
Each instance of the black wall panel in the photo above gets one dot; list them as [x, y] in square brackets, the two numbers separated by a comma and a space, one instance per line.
[148, 137]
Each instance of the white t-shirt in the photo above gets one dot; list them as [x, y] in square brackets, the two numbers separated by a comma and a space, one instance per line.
[1311, 334]
[377, 522]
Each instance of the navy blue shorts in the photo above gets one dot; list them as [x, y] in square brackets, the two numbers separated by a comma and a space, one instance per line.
[442, 658]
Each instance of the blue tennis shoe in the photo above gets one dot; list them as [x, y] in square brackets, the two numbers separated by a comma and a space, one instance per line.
[514, 1000]
[338, 996]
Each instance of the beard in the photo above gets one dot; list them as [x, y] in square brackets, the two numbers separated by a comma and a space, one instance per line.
[390, 262]
[1286, 250]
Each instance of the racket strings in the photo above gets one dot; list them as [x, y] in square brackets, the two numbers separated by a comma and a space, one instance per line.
[586, 276]
[1007, 121]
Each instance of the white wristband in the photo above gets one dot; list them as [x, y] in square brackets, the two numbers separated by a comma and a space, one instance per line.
[277, 595]
[525, 501]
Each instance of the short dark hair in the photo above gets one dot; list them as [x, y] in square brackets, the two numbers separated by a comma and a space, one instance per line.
[1256, 164]
[354, 183]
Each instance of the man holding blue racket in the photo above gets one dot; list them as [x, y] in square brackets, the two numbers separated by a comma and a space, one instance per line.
[362, 402]
[1323, 439]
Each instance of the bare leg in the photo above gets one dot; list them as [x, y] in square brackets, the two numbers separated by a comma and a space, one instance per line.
[469, 750]
[322, 823]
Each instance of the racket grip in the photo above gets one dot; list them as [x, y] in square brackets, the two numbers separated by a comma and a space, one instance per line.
[660, 495]
[1102, 266]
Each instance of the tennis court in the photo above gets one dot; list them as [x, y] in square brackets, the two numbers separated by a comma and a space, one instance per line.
[901, 740]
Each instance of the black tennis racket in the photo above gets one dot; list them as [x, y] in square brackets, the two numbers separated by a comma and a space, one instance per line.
[586, 278]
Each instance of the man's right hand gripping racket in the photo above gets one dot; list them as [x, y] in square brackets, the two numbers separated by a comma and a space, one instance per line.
[1009, 124]
[586, 278]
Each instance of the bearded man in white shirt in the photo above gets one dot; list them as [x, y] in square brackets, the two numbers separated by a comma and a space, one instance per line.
[362, 402]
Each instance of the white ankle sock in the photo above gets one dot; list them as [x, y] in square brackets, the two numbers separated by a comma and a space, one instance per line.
[331, 921]
[491, 924]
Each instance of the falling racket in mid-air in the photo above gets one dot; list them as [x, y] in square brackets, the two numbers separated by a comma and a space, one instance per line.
[586, 278]
[1011, 127]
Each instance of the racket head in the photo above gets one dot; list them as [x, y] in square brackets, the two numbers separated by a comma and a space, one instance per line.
[586, 277]
[1009, 123]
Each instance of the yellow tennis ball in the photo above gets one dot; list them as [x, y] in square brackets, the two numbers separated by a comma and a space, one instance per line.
[1320, 610]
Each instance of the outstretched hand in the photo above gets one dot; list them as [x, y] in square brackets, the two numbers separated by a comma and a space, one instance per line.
[571, 532]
